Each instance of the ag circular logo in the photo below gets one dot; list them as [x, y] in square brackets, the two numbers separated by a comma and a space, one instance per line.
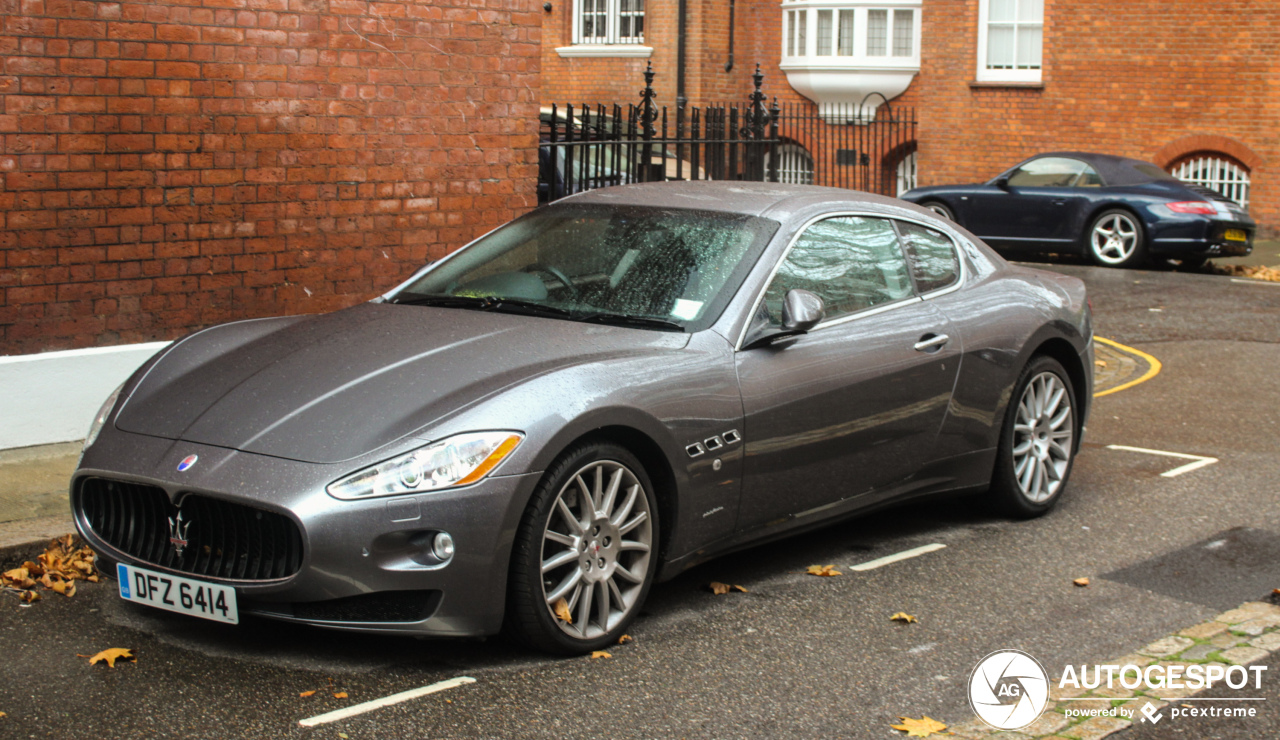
[1008, 689]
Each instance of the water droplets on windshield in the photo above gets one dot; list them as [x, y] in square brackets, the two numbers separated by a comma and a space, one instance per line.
[673, 265]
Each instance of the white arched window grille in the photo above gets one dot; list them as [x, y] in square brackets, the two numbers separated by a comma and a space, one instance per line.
[795, 165]
[1216, 173]
[906, 172]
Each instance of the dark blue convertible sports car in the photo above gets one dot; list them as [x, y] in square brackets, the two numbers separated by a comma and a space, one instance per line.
[1119, 212]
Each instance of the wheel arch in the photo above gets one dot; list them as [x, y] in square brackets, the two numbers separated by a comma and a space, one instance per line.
[1101, 208]
[656, 466]
[1067, 356]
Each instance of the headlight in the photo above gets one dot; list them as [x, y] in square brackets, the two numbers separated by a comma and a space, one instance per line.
[101, 418]
[457, 461]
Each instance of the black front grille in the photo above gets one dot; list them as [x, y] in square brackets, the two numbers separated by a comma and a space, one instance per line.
[224, 539]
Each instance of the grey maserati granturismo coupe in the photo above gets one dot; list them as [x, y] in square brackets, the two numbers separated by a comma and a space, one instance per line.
[528, 434]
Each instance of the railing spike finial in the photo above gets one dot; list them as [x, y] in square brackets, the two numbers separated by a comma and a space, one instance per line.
[650, 112]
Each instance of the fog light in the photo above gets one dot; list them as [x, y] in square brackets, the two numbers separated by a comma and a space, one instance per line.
[443, 546]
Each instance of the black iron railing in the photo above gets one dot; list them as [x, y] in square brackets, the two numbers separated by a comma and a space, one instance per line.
[584, 147]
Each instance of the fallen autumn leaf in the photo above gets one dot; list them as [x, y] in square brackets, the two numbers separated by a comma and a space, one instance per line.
[903, 617]
[823, 570]
[1082, 582]
[111, 655]
[305, 694]
[340, 695]
[562, 611]
[600, 654]
[923, 727]
[625, 639]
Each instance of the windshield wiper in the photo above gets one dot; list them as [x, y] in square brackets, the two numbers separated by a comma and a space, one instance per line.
[622, 319]
[488, 303]
[530, 308]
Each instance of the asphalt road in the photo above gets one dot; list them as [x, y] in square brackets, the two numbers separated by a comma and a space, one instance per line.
[795, 657]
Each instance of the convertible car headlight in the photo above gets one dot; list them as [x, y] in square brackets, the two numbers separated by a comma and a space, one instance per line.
[456, 461]
[101, 417]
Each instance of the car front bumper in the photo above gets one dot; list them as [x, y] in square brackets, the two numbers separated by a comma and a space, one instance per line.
[359, 558]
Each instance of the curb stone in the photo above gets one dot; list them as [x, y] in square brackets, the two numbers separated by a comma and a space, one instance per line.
[1246, 634]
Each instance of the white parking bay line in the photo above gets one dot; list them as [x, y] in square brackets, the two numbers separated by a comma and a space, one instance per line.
[385, 701]
[1200, 460]
[904, 555]
[1255, 282]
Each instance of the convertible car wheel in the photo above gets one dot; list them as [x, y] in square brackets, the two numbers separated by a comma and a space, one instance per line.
[1037, 444]
[940, 209]
[1116, 240]
[584, 557]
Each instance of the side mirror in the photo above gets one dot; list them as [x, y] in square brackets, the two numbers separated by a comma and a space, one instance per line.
[801, 311]
[1002, 183]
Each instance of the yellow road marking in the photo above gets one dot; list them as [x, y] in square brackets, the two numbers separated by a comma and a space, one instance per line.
[1153, 368]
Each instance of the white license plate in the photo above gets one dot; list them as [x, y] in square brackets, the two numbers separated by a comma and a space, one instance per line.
[178, 594]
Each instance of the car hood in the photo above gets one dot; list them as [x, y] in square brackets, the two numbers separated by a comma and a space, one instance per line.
[336, 386]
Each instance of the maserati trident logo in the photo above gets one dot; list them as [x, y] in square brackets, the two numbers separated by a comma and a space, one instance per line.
[178, 534]
[187, 462]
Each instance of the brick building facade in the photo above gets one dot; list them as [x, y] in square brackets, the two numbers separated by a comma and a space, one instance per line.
[173, 164]
[1164, 82]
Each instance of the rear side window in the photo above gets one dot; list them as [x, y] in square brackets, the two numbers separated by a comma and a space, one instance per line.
[852, 262]
[932, 255]
[1049, 172]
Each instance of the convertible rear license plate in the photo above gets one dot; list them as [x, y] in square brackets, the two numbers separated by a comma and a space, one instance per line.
[1237, 235]
[177, 594]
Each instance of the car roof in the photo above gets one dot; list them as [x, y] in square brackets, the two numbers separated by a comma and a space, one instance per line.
[1115, 170]
[773, 200]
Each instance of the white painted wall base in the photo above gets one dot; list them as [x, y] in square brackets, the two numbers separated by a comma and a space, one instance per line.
[52, 396]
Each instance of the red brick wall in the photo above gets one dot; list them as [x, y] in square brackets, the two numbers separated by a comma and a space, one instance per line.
[172, 164]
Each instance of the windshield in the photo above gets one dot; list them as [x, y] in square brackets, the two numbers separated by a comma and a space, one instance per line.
[640, 266]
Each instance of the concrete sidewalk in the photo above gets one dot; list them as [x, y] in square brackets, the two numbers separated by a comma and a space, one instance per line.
[33, 497]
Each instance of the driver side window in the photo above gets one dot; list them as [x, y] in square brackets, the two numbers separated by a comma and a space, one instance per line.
[852, 262]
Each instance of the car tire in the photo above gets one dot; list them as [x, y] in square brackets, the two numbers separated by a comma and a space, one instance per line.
[1116, 239]
[940, 208]
[566, 550]
[1037, 441]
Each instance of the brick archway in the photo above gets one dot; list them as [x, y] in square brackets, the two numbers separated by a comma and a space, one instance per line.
[1175, 150]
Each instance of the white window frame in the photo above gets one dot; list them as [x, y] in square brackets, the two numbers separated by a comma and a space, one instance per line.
[1031, 76]
[810, 9]
[907, 172]
[613, 16]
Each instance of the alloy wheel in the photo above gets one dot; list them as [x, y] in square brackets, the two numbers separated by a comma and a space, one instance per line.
[1114, 238]
[596, 547]
[1042, 437]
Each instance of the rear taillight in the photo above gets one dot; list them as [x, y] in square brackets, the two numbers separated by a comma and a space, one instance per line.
[1201, 207]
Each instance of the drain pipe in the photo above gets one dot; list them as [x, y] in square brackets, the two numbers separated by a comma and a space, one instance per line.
[681, 34]
[728, 66]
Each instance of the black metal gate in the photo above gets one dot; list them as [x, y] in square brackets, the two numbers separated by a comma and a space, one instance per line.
[586, 147]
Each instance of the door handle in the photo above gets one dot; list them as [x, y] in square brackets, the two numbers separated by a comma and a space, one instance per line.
[931, 342]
